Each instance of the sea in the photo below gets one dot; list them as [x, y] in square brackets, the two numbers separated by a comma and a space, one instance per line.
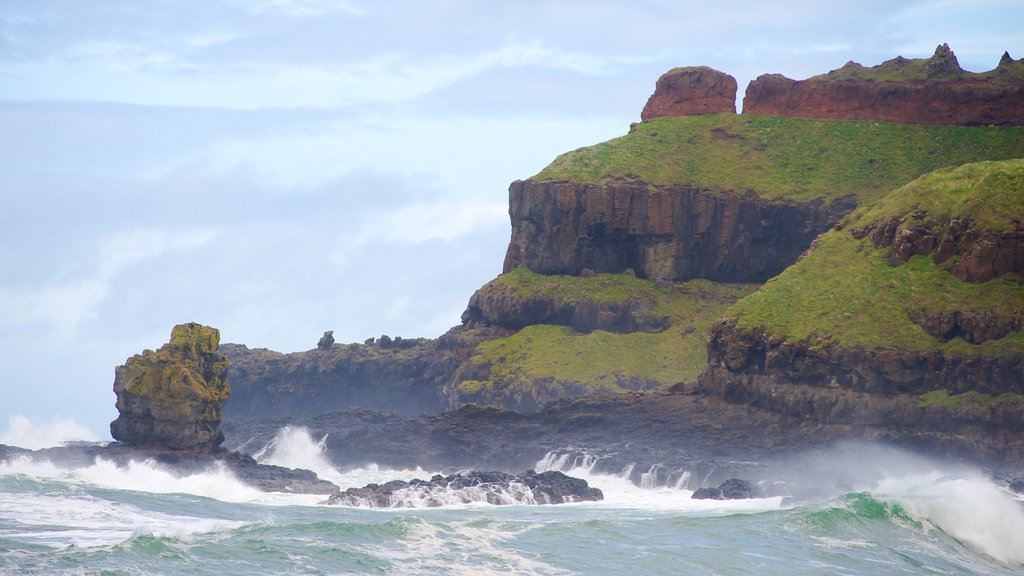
[142, 519]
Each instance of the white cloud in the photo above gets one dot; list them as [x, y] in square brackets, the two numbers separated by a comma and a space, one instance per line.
[299, 8]
[65, 304]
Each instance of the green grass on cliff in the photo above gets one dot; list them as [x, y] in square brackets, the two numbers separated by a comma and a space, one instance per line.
[990, 194]
[784, 158]
[544, 362]
[846, 292]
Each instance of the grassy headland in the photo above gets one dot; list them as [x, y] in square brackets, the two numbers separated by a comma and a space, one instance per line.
[784, 158]
[542, 362]
[846, 292]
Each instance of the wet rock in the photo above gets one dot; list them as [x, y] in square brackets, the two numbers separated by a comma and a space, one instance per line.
[490, 487]
[173, 397]
[731, 489]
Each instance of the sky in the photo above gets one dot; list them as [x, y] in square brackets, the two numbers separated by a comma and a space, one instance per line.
[278, 168]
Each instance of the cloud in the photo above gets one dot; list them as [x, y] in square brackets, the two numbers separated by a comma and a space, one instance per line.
[299, 8]
[64, 304]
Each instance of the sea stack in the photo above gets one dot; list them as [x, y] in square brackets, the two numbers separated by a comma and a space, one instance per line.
[173, 398]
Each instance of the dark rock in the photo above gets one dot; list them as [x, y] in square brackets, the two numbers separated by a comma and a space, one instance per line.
[188, 462]
[490, 487]
[731, 489]
[173, 397]
[691, 91]
[326, 341]
[662, 233]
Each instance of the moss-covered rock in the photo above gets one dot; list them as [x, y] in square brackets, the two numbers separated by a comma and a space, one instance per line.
[173, 397]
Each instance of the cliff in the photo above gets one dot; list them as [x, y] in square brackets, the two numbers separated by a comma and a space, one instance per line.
[913, 345]
[724, 197]
[690, 91]
[916, 91]
[404, 376]
[173, 397]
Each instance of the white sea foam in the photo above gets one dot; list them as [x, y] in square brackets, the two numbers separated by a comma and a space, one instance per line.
[620, 491]
[22, 432]
[82, 520]
[972, 509]
[465, 547]
[294, 447]
[147, 476]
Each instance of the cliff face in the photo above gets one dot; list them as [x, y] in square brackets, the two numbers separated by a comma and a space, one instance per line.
[173, 397]
[970, 406]
[404, 376]
[691, 91]
[897, 323]
[933, 91]
[661, 233]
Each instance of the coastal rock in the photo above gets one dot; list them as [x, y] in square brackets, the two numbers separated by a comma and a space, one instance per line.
[403, 375]
[173, 397]
[963, 405]
[497, 304]
[931, 91]
[974, 253]
[691, 91]
[471, 487]
[662, 233]
[731, 489]
[326, 341]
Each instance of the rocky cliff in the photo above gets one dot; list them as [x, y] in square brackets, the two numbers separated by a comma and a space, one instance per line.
[662, 233]
[405, 376]
[173, 397]
[690, 91]
[864, 333]
[921, 91]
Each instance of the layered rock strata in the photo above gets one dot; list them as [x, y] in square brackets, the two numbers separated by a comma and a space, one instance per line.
[661, 233]
[885, 393]
[932, 91]
[173, 397]
[691, 91]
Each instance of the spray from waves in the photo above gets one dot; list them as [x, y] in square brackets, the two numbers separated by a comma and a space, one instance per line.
[294, 447]
[620, 491]
[62, 519]
[147, 476]
[21, 432]
[971, 509]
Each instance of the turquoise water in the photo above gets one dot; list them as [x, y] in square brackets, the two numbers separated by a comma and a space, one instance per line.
[142, 520]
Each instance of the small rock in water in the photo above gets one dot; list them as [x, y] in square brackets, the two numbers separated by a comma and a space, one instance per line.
[490, 487]
[731, 489]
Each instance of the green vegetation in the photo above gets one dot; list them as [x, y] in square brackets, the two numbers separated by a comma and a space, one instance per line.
[990, 194]
[542, 362]
[845, 291]
[943, 399]
[784, 158]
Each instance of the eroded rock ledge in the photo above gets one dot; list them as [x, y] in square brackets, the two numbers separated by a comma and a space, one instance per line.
[661, 233]
[890, 393]
[691, 91]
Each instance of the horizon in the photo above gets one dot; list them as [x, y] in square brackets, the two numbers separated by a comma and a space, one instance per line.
[280, 168]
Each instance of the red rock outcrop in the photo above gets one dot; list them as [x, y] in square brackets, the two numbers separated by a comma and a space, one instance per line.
[691, 91]
[922, 91]
[662, 233]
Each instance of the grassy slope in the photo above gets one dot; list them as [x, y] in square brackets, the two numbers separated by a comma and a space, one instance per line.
[543, 356]
[844, 291]
[903, 70]
[784, 158]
